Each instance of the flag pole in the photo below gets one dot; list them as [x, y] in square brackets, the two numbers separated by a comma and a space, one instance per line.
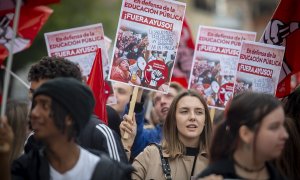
[17, 77]
[10, 58]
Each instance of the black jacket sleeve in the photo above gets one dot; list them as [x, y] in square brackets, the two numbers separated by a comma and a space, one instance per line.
[108, 169]
[98, 136]
[31, 166]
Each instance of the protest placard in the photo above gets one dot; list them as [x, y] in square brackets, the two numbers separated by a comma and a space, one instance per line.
[215, 62]
[79, 45]
[258, 67]
[112, 99]
[146, 43]
[107, 43]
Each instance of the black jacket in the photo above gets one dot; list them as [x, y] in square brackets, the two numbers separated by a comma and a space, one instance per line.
[35, 166]
[226, 169]
[98, 136]
[95, 135]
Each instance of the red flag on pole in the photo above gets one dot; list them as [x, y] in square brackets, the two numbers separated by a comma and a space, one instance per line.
[97, 84]
[31, 21]
[284, 30]
[7, 6]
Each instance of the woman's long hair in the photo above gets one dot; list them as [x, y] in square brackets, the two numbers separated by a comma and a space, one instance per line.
[249, 109]
[292, 106]
[289, 162]
[17, 116]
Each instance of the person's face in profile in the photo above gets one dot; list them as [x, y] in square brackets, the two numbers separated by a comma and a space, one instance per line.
[272, 135]
[41, 119]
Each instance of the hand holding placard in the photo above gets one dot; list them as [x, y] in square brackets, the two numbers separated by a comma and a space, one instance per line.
[131, 108]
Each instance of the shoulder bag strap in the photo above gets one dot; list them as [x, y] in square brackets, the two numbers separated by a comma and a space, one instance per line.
[164, 163]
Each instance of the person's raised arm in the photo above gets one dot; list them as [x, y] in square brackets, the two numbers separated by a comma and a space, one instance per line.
[139, 111]
[128, 125]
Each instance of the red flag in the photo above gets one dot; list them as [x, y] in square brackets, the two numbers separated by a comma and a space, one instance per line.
[7, 6]
[31, 21]
[40, 2]
[97, 84]
[184, 58]
[284, 30]
[181, 80]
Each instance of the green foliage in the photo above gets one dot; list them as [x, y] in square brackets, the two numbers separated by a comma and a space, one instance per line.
[70, 14]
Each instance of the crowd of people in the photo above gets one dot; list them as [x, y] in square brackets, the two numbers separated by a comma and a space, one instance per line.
[170, 136]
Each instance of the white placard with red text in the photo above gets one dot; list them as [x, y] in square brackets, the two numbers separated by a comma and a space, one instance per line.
[146, 43]
[258, 67]
[79, 45]
[215, 62]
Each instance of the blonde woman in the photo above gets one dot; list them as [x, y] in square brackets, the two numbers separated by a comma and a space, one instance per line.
[187, 133]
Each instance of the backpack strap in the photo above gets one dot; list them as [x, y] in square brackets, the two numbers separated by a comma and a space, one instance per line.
[164, 163]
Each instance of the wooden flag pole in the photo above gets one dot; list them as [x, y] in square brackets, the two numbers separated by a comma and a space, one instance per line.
[131, 107]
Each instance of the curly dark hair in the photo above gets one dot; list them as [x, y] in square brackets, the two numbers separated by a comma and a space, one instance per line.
[52, 67]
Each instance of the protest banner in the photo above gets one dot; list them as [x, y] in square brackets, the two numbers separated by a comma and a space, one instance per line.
[283, 29]
[107, 43]
[112, 99]
[215, 62]
[146, 43]
[79, 45]
[258, 67]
